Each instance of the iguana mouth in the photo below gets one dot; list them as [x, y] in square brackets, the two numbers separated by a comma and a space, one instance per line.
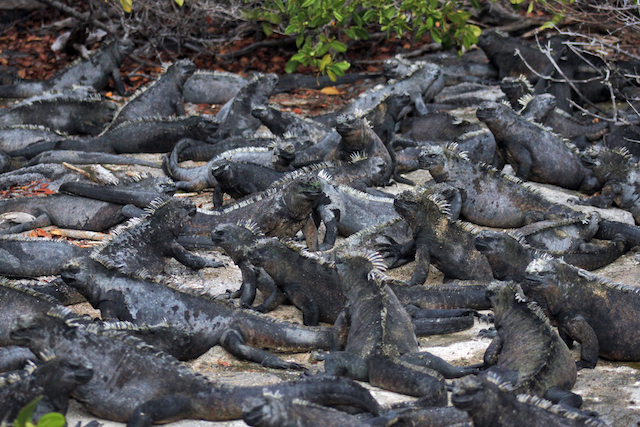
[462, 401]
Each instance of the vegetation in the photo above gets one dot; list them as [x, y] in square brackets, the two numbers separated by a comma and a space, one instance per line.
[52, 419]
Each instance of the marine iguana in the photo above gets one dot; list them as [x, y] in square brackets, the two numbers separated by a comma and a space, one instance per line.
[509, 254]
[96, 71]
[436, 126]
[282, 123]
[212, 87]
[64, 211]
[83, 158]
[280, 211]
[209, 321]
[145, 135]
[618, 174]
[163, 98]
[78, 112]
[161, 390]
[33, 257]
[235, 116]
[528, 352]
[141, 245]
[380, 336]
[599, 314]
[535, 153]
[277, 158]
[515, 88]
[542, 109]
[490, 403]
[502, 201]
[205, 151]
[448, 244]
[53, 381]
[16, 137]
[16, 299]
[310, 282]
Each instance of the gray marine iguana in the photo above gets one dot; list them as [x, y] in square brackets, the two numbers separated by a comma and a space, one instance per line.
[78, 112]
[599, 314]
[209, 321]
[212, 87]
[153, 387]
[490, 403]
[527, 351]
[282, 123]
[235, 117]
[381, 346]
[535, 153]
[618, 174]
[501, 201]
[144, 135]
[16, 137]
[279, 211]
[53, 382]
[141, 246]
[95, 71]
[163, 98]
[448, 244]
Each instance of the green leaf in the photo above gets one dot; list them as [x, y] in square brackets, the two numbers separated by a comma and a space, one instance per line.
[475, 30]
[358, 20]
[361, 33]
[52, 419]
[279, 5]
[299, 40]
[369, 15]
[342, 65]
[338, 46]
[326, 60]
[331, 75]
[307, 3]
[274, 18]
[266, 28]
[350, 33]
[429, 23]
[179, 2]
[126, 5]
[338, 16]
[291, 66]
[435, 35]
[24, 416]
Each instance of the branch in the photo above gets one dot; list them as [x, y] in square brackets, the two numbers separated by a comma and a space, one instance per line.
[84, 17]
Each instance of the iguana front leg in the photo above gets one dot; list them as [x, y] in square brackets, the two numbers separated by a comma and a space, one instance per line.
[162, 410]
[578, 329]
[603, 200]
[492, 353]
[273, 295]
[331, 224]
[423, 261]
[233, 342]
[190, 260]
[524, 163]
[118, 84]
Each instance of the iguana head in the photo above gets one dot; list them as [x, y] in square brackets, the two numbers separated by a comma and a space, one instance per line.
[354, 131]
[492, 113]
[182, 70]
[38, 331]
[203, 126]
[503, 295]
[234, 237]
[432, 158]
[357, 266]
[398, 105]
[607, 163]
[490, 241]
[473, 394]
[309, 187]
[76, 274]
[125, 47]
[542, 273]
[284, 152]
[421, 207]
[172, 213]
[69, 373]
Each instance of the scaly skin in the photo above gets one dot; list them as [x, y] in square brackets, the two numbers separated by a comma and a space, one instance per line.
[492, 198]
[527, 351]
[31, 257]
[141, 248]
[163, 98]
[448, 244]
[155, 388]
[534, 153]
[600, 315]
[54, 381]
[212, 87]
[491, 405]
[94, 71]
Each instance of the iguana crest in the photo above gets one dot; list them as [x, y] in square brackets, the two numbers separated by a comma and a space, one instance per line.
[558, 409]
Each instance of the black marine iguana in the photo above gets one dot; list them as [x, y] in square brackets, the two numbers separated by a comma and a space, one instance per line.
[212, 87]
[95, 71]
[152, 386]
[618, 174]
[381, 346]
[599, 314]
[535, 153]
[141, 245]
[527, 352]
[53, 381]
[78, 112]
[501, 201]
[163, 98]
[145, 135]
[437, 239]
[490, 403]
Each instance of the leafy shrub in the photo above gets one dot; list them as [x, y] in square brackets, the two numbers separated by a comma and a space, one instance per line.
[322, 25]
[52, 419]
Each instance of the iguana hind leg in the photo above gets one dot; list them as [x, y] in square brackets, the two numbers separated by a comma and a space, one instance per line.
[162, 410]
[233, 342]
